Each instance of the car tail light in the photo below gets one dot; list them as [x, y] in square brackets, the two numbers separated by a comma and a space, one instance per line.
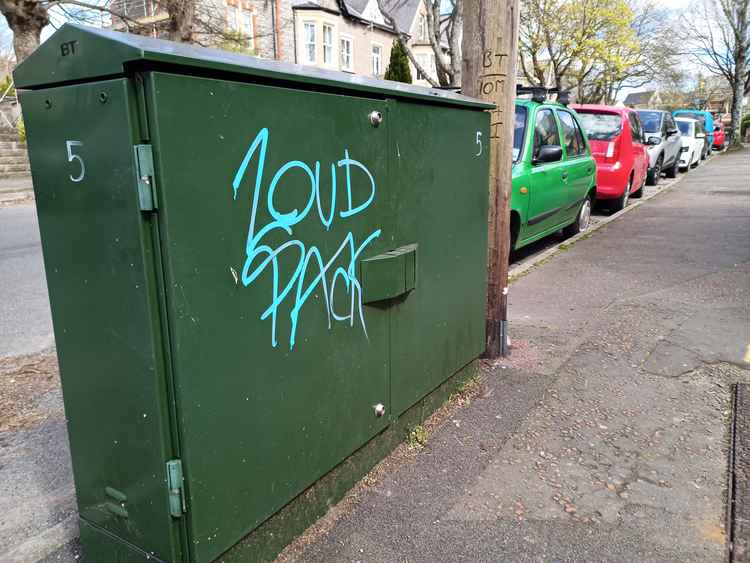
[613, 151]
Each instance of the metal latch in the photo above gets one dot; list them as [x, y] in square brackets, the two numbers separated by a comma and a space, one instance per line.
[144, 168]
[177, 506]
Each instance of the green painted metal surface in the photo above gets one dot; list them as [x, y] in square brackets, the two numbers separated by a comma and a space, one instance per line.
[240, 273]
[98, 254]
[78, 52]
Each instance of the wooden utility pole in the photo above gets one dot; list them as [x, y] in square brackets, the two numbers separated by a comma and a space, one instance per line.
[490, 51]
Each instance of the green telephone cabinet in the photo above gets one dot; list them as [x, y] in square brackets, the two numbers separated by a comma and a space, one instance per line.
[253, 271]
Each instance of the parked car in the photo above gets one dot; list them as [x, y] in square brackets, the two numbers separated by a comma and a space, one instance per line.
[720, 136]
[616, 140]
[693, 142]
[554, 175]
[706, 119]
[663, 141]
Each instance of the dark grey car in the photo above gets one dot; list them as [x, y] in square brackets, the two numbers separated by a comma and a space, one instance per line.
[663, 142]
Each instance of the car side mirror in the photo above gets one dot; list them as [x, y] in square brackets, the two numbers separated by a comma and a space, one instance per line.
[673, 132]
[653, 141]
[700, 135]
[548, 153]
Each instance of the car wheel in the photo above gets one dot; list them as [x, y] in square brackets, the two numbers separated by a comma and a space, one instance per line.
[671, 172]
[639, 192]
[583, 219]
[704, 153]
[689, 164]
[622, 201]
[654, 175]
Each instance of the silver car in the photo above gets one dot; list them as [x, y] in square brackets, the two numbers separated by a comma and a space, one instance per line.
[664, 143]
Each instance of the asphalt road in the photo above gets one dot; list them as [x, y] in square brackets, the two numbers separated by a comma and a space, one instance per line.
[25, 321]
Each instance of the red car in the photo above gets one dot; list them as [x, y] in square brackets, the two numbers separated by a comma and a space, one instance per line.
[719, 136]
[619, 147]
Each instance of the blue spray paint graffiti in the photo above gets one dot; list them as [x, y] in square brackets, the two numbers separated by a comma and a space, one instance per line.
[261, 256]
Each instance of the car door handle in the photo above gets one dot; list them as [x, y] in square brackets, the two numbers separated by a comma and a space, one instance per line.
[589, 170]
[564, 175]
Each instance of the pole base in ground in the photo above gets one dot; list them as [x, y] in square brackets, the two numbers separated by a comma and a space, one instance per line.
[504, 339]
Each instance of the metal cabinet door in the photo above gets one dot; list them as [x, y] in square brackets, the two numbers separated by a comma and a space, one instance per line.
[278, 365]
[440, 167]
[100, 273]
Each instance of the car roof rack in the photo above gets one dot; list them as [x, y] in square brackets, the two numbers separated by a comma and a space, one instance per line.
[540, 93]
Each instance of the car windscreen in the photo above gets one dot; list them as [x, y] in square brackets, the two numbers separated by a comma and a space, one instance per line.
[600, 126]
[651, 121]
[518, 132]
[684, 127]
[699, 116]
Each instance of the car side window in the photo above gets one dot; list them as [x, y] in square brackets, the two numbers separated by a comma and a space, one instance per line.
[545, 130]
[635, 127]
[572, 137]
[670, 123]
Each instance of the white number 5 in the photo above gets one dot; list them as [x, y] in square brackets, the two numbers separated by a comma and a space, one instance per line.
[479, 142]
[72, 157]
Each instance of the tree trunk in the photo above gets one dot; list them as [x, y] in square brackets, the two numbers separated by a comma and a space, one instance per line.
[738, 91]
[181, 16]
[490, 52]
[25, 18]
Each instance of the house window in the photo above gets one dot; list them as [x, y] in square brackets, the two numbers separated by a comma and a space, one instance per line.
[422, 28]
[377, 59]
[309, 45]
[327, 44]
[233, 20]
[247, 28]
[346, 54]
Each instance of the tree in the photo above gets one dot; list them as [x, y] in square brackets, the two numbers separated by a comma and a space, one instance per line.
[398, 67]
[717, 33]
[444, 33]
[187, 21]
[595, 47]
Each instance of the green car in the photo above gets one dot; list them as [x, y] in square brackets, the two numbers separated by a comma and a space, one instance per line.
[554, 174]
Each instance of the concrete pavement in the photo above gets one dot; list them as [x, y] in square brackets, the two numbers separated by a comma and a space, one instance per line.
[603, 438]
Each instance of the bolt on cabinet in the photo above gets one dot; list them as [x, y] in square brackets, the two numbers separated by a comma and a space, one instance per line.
[253, 271]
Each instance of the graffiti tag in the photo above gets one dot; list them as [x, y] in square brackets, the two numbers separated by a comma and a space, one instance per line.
[262, 255]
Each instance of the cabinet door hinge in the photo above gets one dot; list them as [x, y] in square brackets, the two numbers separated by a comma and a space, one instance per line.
[177, 506]
[144, 167]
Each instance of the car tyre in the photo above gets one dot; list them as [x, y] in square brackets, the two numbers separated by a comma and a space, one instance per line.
[639, 193]
[654, 175]
[583, 219]
[622, 201]
[671, 172]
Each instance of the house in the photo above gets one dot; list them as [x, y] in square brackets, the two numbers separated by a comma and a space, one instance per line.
[643, 100]
[345, 35]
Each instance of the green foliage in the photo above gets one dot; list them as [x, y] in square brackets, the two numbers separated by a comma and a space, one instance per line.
[593, 46]
[417, 438]
[4, 86]
[398, 66]
[21, 128]
[745, 124]
[236, 42]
